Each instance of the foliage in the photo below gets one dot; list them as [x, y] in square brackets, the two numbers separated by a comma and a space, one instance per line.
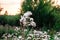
[42, 12]
[11, 30]
[2, 31]
[6, 29]
[57, 17]
[11, 20]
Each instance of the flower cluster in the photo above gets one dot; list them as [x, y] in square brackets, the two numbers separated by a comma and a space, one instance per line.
[39, 35]
[26, 20]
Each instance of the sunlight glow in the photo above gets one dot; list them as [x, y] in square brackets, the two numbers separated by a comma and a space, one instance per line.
[56, 2]
[12, 6]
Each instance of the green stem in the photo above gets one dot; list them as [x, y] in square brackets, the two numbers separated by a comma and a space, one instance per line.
[28, 30]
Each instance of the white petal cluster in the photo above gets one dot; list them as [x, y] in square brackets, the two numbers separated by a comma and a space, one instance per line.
[57, 36]
[24, 20]
[58, 33]
[31, 19]
[9, 35]
[29, 38]
[40, 34]
[17, 28]
[33, 24]
[27, 14]
[20, 37]
[21, 18]
[31, 35]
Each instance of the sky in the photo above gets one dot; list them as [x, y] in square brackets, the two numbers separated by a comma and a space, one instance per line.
[12, 6]
[57, 2]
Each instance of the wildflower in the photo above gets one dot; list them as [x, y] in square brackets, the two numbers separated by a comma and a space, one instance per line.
[17, 28]
[20, 37]
[29, 38]
[31, 35]
[27, 14]
[32, 23]
[56, 37]
[31, 19]
[9, 35]
[26, 20]
[25, 30]
[45, 33]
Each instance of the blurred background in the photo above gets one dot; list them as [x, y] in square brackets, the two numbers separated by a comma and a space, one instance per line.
[46, 14]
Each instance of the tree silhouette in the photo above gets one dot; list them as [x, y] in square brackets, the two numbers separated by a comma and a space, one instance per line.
[6, 12]
[1, 9]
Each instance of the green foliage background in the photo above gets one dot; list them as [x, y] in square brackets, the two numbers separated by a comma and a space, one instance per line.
[10, 20]
[45, 15]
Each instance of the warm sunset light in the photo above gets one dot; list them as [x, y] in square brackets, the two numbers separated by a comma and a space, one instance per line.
[11, 6]
[56, 2]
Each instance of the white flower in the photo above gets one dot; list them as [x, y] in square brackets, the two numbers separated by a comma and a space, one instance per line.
[31, 35]
[25, 30]
[45, 33]
[33, 24]
[17, 28]
[20, 37]
[26, 20]
[28, 38]
[3, 35]
[27, 14]
[41, 32]
[38, 32]
[56, 38]
[22, 18]
[24, 24]
[9, 35]
[37, 35]
[31, 19]
[45, 39]
[15, 38]
[58, 33]
[46, 36]
[35, 31]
